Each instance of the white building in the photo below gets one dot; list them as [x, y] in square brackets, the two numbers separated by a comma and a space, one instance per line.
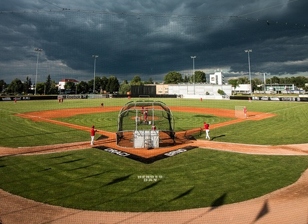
[242, 88]
[200, 90]
[61, 85]
[217, 78]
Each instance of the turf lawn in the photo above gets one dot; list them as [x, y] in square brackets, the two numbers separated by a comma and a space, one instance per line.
[95, 180]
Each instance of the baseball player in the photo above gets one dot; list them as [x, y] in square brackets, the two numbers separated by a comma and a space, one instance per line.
[206, 128]
[92, 133]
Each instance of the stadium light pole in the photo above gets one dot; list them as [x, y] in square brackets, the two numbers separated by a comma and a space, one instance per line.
[38, 50]
[249, 51]
[264, 81]
[193, 58]
[94, 56]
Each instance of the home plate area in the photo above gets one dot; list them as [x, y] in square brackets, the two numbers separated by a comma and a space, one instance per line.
[183, 141]
[146, 158]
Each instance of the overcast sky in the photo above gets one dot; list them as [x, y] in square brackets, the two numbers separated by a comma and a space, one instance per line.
[149, 38]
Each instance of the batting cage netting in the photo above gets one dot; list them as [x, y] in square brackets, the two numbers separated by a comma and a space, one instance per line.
[240, 112]
[145, 124]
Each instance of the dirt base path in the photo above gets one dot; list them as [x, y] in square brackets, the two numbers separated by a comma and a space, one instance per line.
[287, 205]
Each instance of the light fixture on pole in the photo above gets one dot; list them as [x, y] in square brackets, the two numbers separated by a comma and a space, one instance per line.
[38, 50]
[94, 56]
[194, 78]
[249, 51]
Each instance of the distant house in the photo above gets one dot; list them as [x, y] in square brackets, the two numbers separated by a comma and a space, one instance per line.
[61, 85]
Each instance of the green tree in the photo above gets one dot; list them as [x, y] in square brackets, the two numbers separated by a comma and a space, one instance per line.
[83, 87]
[103, 83]
[136, 81]
[256, 84]
[48, 85]
[300, 81]
[221, 92]
[113, 84]
[275, 80]
[27, 85]
[40, 88]
[243, 80]
[97, 84]
[15, 87]
[124, 88]
[199, 76]
[287, 80]
[53, 88]
[234, 83]
[90, 84]
[70, 86]
[173, 78]
[3, 85]
[186, 79]
[150, 81]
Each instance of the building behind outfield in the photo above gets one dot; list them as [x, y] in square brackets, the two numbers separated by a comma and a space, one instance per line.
[200, 90]
[215, 89]
[183, 90]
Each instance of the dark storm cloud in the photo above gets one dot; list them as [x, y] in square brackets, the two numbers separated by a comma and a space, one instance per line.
[150, 38]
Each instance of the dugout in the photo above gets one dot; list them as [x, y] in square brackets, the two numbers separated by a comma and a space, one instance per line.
[145, 124]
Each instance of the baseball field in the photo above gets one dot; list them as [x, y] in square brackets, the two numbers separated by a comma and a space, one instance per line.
[46, 155]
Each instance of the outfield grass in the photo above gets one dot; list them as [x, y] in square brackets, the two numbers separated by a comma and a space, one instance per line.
[19, 132]
[93, 180]
[96, 180]
[288, 127]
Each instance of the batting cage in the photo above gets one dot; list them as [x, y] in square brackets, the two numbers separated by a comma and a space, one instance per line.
[145, 124]
[240, 112]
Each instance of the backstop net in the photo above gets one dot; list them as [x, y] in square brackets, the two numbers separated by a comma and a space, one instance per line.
[145, 124]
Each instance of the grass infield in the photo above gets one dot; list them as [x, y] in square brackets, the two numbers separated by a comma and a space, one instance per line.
[95, 180]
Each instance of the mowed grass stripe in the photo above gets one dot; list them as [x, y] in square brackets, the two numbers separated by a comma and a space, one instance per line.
[95, 180]
[108, 121]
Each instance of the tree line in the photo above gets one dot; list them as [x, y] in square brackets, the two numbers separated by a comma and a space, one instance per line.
[101, 85]
[112, 85]
[17, 86]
